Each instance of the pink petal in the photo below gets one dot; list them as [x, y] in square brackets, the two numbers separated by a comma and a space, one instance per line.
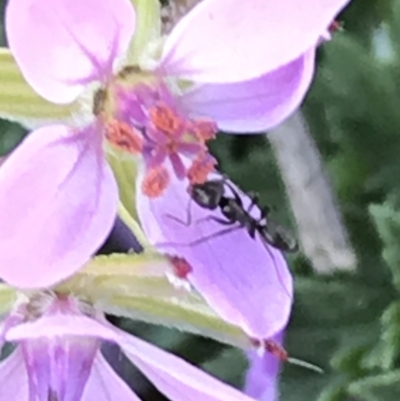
[243, 281]
[229, 41]
[14, 378]
[105, 385]
[58, 202]
[59, 364]
[174, 377]
[171, 375]
[255, 105]
[59, 325]
[61, 45]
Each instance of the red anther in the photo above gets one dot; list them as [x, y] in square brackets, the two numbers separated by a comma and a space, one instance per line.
[272, 347]
[181, 267]
[155, 182]
[166, 120]
[204, 130]
[124, 136]
[201, 166]
[276, 349]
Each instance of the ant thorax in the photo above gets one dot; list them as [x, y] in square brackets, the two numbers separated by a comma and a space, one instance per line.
[240, 210]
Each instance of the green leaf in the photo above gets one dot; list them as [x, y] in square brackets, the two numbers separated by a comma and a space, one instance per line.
[11, 135]
[334, 321]
[384, 387]
[387, 352]
[144, 274]
[137, 286]
[348, 359]
[332, 303]
[334, 392]
[20, 103]
[148, 27]
[233, 358]
[387, 220]
[188, 313]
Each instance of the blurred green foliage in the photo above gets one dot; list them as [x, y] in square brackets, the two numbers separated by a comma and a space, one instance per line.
[347, 324]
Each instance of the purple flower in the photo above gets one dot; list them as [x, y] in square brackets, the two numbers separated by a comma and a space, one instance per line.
[58, 357]
[58, 195]
[246, 281]
[250, 65]
[254, 61]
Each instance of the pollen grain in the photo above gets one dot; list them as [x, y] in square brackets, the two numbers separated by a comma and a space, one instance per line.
[166, 120]
[155, 182]
[123, 136]
[204, 130]
[201, 167]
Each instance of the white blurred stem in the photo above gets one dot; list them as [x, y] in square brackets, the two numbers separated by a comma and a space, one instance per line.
[320, 229]
[174, 11]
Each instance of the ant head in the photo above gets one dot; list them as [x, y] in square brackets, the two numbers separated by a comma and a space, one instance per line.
[207, 195]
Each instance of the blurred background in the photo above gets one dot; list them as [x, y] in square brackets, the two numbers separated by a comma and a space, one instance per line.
[346, 316]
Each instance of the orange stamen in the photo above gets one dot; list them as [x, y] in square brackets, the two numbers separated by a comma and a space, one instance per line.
[165, 120]
[155, 182]
[204, 130]
[201, 166]
[123, 136]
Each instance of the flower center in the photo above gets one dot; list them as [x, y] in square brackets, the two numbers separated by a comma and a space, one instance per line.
[141, 117]
[58, 362]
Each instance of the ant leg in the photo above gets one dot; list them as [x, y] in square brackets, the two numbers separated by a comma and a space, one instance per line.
[264, 212]
[222, 221]
[217, 219]
[255, 201]
[188, 221]
[235, 193]
[199, 240]
[255, 198]
[278, 275]
[252, 228]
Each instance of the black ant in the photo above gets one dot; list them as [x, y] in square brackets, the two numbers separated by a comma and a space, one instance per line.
[211, 195]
